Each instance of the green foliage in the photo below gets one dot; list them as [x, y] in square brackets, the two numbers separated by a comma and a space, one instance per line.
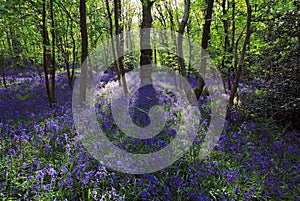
[23, 98]
[276, 70]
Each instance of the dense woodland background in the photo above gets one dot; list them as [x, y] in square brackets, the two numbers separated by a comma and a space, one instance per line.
[254, 44]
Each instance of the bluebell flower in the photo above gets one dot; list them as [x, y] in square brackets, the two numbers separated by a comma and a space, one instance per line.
[236, 190]
[145, 194]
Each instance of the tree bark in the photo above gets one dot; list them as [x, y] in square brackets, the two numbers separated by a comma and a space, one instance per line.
[162, 18]
[70, 74]
[84, 51]
[226, 41]
[53, 69]
[204, 44]
[2, 63]
[231, 49]
[146, 51]
[182, 26]
[112, 41]
[73, 53]
[120, 42]
[242, 57]
[17, 47]
[46, 53]
[190, 51]
[3, 76]
[8, 39]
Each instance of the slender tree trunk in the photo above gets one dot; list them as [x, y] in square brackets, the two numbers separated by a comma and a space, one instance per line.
[171, 18]
[121, 58]
[2, 63]
[182, 26]
[242, 57]
[231, 49]
[190, 52]
[3, 76]
[17, 47]
[8, 39]
[180, 57]
[155, 54]
[128, 19]
[162, 18]
[46, 53]
[204, 44]
[73, 53]
[71, 75]
[146, 51]
[53, 95]
[120, 42]
[66, 56]
[84, 51]
[112, 41]
[226, 41]
[67, 62]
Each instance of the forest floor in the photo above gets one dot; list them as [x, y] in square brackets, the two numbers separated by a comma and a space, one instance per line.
[42, 158]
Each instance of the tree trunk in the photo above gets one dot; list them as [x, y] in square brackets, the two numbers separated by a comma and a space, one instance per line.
[53, 69]
[112, 41]
[70, 74]
[190, 52]
[67, 62]
[66, 56]
[8, 39]
[226, 42]
[2, 63]
[121, 58]
[17, 47]
[204, 44]
[73, 53]
[84, 51]
[231, 49]
[162, 18]
[3, 76]
[146, 51]
[182, 26]
[241, 60]
[46, 53]
[171, 17]
[120, 42]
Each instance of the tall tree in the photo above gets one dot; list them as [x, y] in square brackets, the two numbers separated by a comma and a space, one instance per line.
[242, 57]
[112, 41]
[64, 45]
[120, 42]
[146, 51]
[226, 41]
[232, 47]
[182, 26]
[53, 69]
[84, 50]
[204, 44]
[46, 53]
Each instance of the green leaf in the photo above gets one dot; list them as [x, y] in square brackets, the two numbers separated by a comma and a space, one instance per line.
[23, 98]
